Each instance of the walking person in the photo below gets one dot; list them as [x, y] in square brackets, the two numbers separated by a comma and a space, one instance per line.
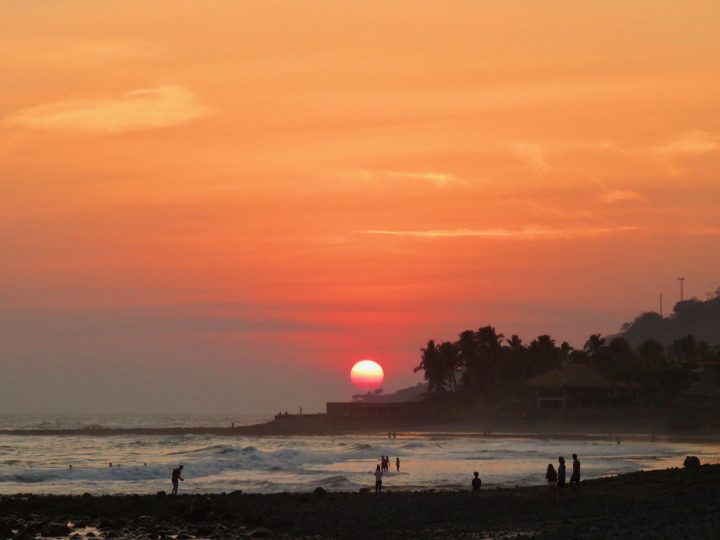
[551, 477]
[561, 472]
[575, 476]
[176, 475]
[397, 464]
[378, 480]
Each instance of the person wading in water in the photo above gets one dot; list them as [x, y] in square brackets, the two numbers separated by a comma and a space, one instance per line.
[176, 475]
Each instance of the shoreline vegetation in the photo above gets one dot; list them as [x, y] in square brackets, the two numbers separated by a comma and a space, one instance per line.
[671, 503]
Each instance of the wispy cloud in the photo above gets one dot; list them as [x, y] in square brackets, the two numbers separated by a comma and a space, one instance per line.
[436, 177]
[532, 153]
[140, 109]
[690, 142]
[73, 53]
[621, 195]
[704, 231]
[433, 177]
[526, 233]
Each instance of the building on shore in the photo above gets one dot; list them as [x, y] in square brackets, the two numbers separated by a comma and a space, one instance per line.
[573, 386]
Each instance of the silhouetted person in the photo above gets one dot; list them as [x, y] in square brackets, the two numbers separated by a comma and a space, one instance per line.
[394, 434]
[476, 482]
[378, 480]
[110, 464]
[551, 477]
[175, 477]
[397, 464]
[561, 472]
[70, 467]
[575, 476]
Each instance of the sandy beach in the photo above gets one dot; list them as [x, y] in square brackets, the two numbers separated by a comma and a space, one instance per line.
[673, 503]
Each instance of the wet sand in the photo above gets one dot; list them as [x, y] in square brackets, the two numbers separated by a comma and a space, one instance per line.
[674, 503]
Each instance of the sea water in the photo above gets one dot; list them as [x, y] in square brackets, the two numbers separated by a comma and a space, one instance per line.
[213, 464]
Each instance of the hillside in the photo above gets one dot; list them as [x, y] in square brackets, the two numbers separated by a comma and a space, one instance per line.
[701, 319]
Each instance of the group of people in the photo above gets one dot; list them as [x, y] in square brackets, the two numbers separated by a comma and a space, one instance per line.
[384, 466]
[556, 479]
[385, 463]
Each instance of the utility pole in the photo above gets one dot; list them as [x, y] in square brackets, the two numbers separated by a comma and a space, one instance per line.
[682, 288]
[661, 311]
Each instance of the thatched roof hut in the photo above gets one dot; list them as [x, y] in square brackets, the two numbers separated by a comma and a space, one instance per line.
[569, 376]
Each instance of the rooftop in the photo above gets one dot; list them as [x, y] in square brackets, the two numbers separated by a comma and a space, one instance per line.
[569, 376]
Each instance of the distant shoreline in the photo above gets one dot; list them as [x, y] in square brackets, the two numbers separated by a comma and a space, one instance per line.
[319, 425]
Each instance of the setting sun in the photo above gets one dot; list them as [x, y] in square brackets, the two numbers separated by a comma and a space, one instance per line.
[367, 374]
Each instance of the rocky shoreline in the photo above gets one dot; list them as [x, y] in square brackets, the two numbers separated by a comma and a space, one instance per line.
[674, 503]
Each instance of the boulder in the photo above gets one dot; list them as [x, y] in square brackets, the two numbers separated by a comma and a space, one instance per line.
[691, 461]
[55, 529]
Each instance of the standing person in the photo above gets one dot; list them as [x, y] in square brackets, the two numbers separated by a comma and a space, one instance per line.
[397, 464]
[575, 477]
[551, 477]
[476, 482]
[176, 475]
[561, 472]
[378, 480]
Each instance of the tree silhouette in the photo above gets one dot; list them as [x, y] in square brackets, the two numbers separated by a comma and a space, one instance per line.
[450, 359]
[432, 365]
[595, 346]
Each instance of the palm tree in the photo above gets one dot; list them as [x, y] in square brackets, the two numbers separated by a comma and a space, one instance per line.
[652, 356]
[468, 356]
[595, 346]
[517, 359]
[545, 354]
[431, 364]
[490, 355]
[685, 352]
[565, 351]
[450, 358]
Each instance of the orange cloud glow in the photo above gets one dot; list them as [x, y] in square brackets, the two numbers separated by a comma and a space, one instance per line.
[232, 195]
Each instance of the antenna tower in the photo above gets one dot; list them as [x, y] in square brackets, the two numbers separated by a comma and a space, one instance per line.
[682, 288]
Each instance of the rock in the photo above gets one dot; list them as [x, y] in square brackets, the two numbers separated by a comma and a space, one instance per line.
[260, 532]
[319, 492]
[691, 461]
[161, 494]
[55, 529]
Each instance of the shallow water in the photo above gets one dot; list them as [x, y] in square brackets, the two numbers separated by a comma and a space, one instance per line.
[142, 464]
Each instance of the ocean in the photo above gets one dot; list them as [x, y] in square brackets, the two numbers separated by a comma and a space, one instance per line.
[214, 464]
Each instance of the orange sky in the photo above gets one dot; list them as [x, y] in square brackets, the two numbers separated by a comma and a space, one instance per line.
[235, 201]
